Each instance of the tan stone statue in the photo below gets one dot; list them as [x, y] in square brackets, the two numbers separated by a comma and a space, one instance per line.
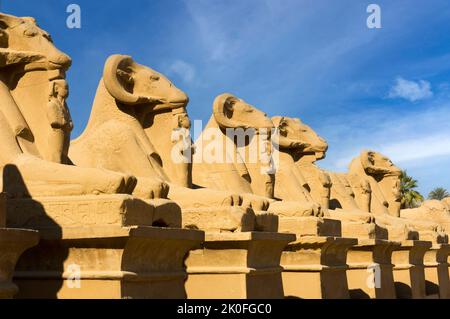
[384, 179]
[361, 190]
[34, 120]
[85, 216]
[245, 174]
[348, 195]
[299, 148]
[115, 129]
[139, 126]
[431, 210]
[233, 153]
[59, 118]
[342, 196]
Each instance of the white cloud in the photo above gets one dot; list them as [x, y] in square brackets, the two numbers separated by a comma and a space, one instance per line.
[414, 149]
[410, 90]
[228, 32]
[410, 151]
[183, 70]
[418, 141]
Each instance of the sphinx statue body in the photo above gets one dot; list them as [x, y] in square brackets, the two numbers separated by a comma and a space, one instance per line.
[114, 200]
[297, 177]
[384, 179]
[35, 121]
[235, 151]
[434, 210]
[349, 196]
[79, 211]
[139, 125]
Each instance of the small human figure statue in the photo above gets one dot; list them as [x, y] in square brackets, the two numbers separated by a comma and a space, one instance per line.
[181, 137]
[60, 120]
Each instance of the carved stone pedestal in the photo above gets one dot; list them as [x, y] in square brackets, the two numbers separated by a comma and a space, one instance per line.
[219, 219]
[315, 267]
[13, 242]
[107, 262]
[409, 274]
[237, 266]
[102, 247]
[437, 271]
[370, 273]
[230, 219]
[84, 211]
[311, 226]
[315, 264]
[360, 230]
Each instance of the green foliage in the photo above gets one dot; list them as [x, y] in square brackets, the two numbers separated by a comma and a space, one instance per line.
[438, 193]
[410, 198]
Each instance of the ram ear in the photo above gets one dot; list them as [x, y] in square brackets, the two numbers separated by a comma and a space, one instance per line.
[223, 111]
[276, 120]
[118, 79]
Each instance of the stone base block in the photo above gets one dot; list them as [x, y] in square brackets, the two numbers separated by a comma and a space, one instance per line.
[433, 236]
[311, 226]
[370, 273]
[107, 262]
[85, 211]
[409, 274]
[237, 266]
[365, 231]
[218, 219]
[401, 233]
[13, 242]
[315, 268]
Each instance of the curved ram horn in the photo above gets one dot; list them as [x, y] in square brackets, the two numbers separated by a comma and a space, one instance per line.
[219, 111]
[281, 139]
[113, 66]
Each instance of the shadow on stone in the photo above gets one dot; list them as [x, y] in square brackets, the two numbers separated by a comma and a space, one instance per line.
[358, 294]
[48, 255]
[403, 291]
[431, 288]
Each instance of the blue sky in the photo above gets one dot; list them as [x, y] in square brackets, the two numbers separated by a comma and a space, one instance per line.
[386, 89]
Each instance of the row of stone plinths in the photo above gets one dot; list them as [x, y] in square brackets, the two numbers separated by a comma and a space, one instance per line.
[77, 258]
[148, 262]
[116, 260]
[341, 268]
[327, 267]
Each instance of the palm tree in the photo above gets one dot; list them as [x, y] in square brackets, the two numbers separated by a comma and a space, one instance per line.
[410, 198]
[438, 193]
